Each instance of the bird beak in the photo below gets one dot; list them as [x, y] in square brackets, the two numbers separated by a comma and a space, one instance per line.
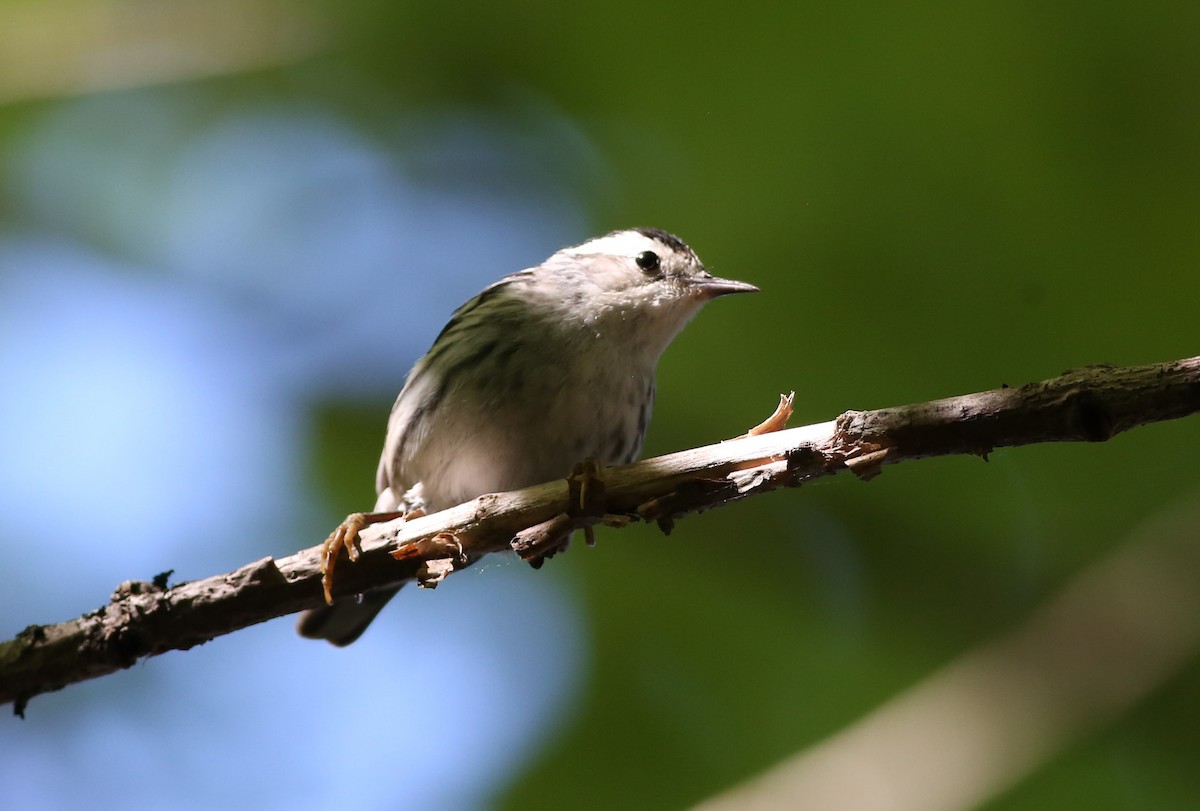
[712, 287]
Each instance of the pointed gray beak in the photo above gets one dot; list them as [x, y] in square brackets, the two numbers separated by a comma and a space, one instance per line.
[713, 287]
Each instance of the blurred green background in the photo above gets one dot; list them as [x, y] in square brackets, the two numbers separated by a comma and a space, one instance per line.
[228, 229]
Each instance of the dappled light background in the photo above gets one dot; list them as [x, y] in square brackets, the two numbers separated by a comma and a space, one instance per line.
[228, 229]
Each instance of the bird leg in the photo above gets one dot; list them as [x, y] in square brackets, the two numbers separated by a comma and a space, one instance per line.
[345, 536]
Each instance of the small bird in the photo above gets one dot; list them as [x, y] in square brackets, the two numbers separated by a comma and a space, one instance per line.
[546, 368]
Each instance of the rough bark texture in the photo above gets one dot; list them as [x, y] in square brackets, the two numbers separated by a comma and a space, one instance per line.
[144, 619]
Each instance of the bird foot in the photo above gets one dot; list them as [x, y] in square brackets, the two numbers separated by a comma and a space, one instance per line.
[345, 536]
[585, 507]
[585, 489]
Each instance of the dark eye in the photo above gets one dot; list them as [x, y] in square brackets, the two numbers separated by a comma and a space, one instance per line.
[648, 261]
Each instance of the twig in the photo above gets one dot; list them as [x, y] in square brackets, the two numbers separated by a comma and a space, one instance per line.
[143, 619]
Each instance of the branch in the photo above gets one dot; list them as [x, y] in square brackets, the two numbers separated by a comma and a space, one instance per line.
[144, 619]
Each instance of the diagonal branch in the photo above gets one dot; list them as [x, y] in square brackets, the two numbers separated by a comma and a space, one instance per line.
[144, 619]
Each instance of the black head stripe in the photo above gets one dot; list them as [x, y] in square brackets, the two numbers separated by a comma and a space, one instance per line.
[670, 240]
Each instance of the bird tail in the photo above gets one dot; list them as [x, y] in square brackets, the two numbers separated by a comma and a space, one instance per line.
[345, 620]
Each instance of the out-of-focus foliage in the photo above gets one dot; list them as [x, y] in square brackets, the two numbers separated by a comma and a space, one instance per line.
[218, 256]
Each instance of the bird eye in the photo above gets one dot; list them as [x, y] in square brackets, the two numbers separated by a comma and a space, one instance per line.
[648, 261]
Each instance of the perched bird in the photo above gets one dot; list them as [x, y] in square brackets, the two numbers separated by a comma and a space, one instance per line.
[547, 367]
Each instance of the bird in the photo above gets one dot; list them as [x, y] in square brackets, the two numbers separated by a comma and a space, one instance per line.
[543, 369]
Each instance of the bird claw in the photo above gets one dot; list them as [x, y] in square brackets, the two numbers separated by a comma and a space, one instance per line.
[585, 489]
[585, 507]
[345, 536]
